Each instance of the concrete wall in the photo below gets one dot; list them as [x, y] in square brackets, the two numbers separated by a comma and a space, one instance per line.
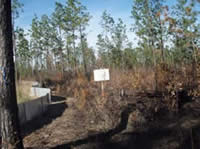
[31, 109]
[38, 92]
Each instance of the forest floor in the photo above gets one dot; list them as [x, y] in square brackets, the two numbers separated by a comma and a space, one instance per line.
[120, 123]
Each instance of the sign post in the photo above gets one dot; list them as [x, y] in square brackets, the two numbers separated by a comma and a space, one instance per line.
[101, 75]
[102, 89]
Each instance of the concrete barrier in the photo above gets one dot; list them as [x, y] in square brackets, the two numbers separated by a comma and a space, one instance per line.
[31, 109]
[22, 113]
[36, 84]
[38, 92]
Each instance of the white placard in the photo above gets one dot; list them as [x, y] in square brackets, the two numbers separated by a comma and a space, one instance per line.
[101, 75]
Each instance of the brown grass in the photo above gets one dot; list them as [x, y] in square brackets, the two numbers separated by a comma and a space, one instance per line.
[165, 79]
[137, 79]
[23, 91]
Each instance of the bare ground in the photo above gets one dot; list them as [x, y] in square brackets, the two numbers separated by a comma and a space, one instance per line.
[121, 123]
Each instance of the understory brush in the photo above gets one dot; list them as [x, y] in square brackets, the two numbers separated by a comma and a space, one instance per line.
[175, 84]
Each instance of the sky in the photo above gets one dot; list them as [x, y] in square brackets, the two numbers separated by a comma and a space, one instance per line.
[117, 9]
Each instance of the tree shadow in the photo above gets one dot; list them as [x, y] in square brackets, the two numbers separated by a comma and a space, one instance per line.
[166, 137]
[103, 139]
[57, 99]
[147, 139]
[135, 140]
[53, 111]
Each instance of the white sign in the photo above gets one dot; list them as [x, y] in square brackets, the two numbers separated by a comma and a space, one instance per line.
[101, 75]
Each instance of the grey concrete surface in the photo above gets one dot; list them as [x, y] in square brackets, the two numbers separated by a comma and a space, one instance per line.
[31, 109]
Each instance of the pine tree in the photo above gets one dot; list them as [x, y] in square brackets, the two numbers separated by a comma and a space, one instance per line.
[10, 129]
[58, 23]
[24, 54]
[112, 41]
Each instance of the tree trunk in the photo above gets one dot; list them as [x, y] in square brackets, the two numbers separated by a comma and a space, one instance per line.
[84, 54]
[74, 48]
[68, 57]
[61, 53]
[161, 40]
[10, 129]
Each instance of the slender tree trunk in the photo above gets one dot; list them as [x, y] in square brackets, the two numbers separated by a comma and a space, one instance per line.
[48, 61]
[74, 48]
[10, 129]
[14, 46]
[152, 46]
[161, 40]
[84, 54]
[194, 66]
[61, 53]
[68, 56]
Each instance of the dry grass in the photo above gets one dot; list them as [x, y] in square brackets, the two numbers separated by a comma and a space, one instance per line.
[142, 79]
[23, 91]
[165, 79]
[137, 79]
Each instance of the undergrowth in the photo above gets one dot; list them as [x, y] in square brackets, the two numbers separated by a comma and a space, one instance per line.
[169, 81]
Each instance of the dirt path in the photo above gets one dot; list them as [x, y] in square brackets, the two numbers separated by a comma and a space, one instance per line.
[56, 127]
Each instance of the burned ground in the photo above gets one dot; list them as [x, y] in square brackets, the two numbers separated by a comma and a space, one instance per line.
[138, 120]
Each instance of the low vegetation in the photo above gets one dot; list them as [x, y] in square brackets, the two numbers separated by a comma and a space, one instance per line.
[159, 75]
[23, 91]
